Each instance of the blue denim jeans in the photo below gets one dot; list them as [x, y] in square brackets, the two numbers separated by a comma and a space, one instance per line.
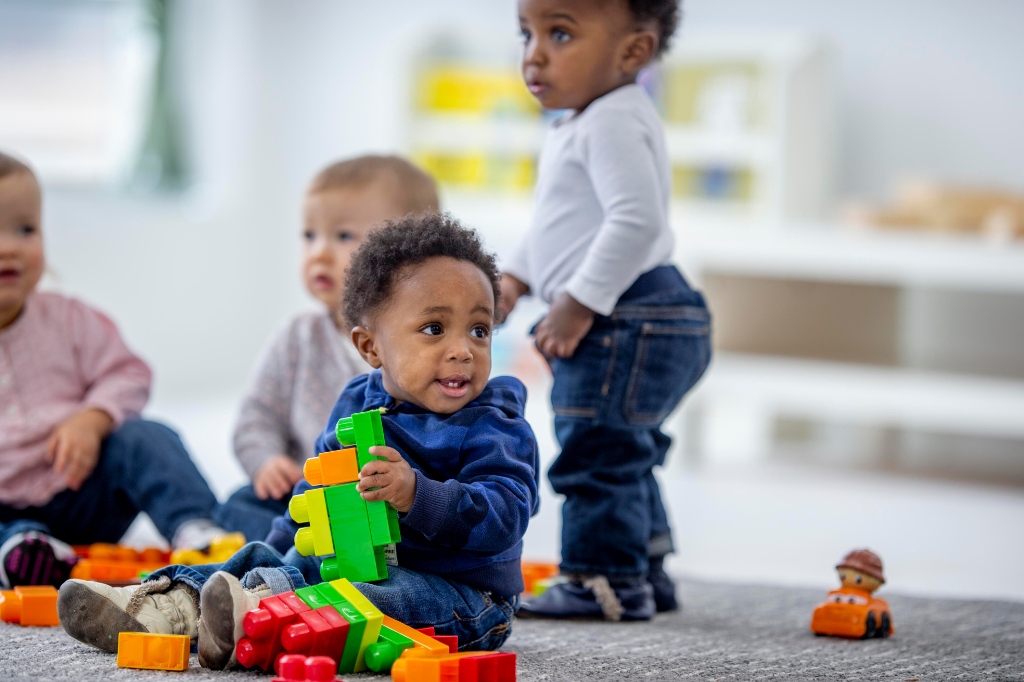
[610, 399]
[142, 466]
[246, 513]
[481, 621]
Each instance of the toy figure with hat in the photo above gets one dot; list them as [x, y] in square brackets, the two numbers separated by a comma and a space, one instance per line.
[852, 611]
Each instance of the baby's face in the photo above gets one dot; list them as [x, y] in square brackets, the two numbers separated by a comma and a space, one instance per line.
[21, 241]
[573, 49]
[432, 341]
[335, 221]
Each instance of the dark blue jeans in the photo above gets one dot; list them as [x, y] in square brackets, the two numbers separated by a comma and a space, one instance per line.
[610, 399]
[246, 513]
[481, 620]
[143, 466]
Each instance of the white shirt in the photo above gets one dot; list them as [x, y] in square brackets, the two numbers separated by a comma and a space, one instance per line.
[601, 217]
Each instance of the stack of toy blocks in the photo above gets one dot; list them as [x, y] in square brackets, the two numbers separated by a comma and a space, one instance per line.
[418, 665]
[114, 564]
[331, 619]
[340, 521]
[298, 668]
[29, 605]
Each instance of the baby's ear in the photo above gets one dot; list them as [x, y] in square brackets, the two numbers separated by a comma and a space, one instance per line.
[365, 342]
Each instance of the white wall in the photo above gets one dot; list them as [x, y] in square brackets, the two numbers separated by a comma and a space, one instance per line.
[274, 89]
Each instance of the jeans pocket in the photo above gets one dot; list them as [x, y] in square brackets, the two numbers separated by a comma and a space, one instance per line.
[581, 382]
[671, 355]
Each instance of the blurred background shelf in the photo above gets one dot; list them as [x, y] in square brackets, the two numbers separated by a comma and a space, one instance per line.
[844, 254]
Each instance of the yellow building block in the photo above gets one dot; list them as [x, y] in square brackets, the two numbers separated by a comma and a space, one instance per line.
[152, 652]
[332, 468]
[374, 618]
[421, 640]
[311, 508]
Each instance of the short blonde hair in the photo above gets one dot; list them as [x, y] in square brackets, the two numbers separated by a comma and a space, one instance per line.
[10, 165]
[414, 190]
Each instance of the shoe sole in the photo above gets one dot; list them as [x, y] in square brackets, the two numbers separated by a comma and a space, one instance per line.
[91, 618]
[214, 651]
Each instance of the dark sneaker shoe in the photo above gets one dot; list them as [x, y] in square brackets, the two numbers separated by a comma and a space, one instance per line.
[664, 587]
[594, 598]
[35, 558]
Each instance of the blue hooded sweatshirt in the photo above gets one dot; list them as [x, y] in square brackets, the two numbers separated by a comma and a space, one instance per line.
[476, 481]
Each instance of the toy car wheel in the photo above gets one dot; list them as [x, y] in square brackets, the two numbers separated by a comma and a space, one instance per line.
[870, 626]
[885, 627]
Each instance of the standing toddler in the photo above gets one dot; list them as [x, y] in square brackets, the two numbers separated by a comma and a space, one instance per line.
[625, 336]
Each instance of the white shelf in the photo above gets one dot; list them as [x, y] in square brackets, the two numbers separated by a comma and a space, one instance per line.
[464, 133]
[930, 401]
[687, 144]
[836, 253]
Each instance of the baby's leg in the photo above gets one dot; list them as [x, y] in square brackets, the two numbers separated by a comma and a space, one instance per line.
[29, 555]
[481, 620]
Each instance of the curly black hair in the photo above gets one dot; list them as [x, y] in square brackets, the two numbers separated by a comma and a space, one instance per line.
[370, 277]
[665, 13]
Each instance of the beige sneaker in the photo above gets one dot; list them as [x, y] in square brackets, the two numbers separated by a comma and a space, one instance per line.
[94, 613]
[223, 605]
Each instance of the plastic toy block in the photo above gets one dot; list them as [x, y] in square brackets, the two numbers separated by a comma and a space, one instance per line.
[389, 646]
[10, 607]
[357, 626]
[321, 632]
[355, 556]
[299, 668]
[30, 605]
[153, 652]
[311, 508]
[382, 531]
[313, 599]
[421, 640]
[332, 468]
[374, 618]
[451, 640]
[363, 430]
[468, 666]
[428, 631]
[534, 571]
[104, 571]
[223, 547]
[264, 626]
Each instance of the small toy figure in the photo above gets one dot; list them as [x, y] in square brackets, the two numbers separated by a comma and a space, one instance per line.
[851, 611]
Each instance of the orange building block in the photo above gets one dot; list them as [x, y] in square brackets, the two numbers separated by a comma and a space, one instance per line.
[30, 605]
[534, 571]
[153, 652]
[332, 468]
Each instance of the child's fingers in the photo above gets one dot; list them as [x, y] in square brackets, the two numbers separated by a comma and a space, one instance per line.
[61, 454]
[375, 495]
[384, 451]
[377, 480]
[51, 446]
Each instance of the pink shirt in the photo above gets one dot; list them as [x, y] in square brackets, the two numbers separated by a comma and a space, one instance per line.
[58, 358]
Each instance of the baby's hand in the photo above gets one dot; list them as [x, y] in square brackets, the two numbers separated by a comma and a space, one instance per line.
[511, 290]
[276, 477]
[562, 329]
[74, 446]
[394, 480]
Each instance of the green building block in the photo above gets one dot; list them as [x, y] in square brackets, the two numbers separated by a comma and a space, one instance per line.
[378, 514]
[382, 655]
[356, 626]
[313, 599]
[363, 430]
[355, 557]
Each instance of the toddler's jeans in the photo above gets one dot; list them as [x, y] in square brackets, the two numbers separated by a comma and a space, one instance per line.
[142, 466]
[610, 398]
[481, 620]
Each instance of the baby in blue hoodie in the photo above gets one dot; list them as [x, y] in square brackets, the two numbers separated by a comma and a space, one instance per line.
[461, 464]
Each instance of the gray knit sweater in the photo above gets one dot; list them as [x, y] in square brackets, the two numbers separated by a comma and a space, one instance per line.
[298, 380]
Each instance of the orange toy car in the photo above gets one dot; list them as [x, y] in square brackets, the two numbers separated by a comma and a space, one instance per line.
[852, 611]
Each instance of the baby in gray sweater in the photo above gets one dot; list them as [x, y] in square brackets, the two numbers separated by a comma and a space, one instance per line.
[309, 362]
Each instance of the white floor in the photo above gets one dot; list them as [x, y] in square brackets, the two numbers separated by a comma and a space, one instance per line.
[770, 524]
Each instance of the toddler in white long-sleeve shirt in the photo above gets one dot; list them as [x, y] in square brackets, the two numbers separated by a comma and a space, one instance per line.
[626, 337]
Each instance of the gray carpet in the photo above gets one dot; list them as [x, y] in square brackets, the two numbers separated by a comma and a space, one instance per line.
[725, 632]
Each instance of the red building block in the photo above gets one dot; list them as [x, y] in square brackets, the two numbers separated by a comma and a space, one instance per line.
[451, 640]
[299, 668]
[429, 632]
[321, 632]
[496, 667]
[264, 627]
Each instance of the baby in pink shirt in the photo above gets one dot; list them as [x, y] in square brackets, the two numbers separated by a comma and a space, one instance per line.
[76, 465]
